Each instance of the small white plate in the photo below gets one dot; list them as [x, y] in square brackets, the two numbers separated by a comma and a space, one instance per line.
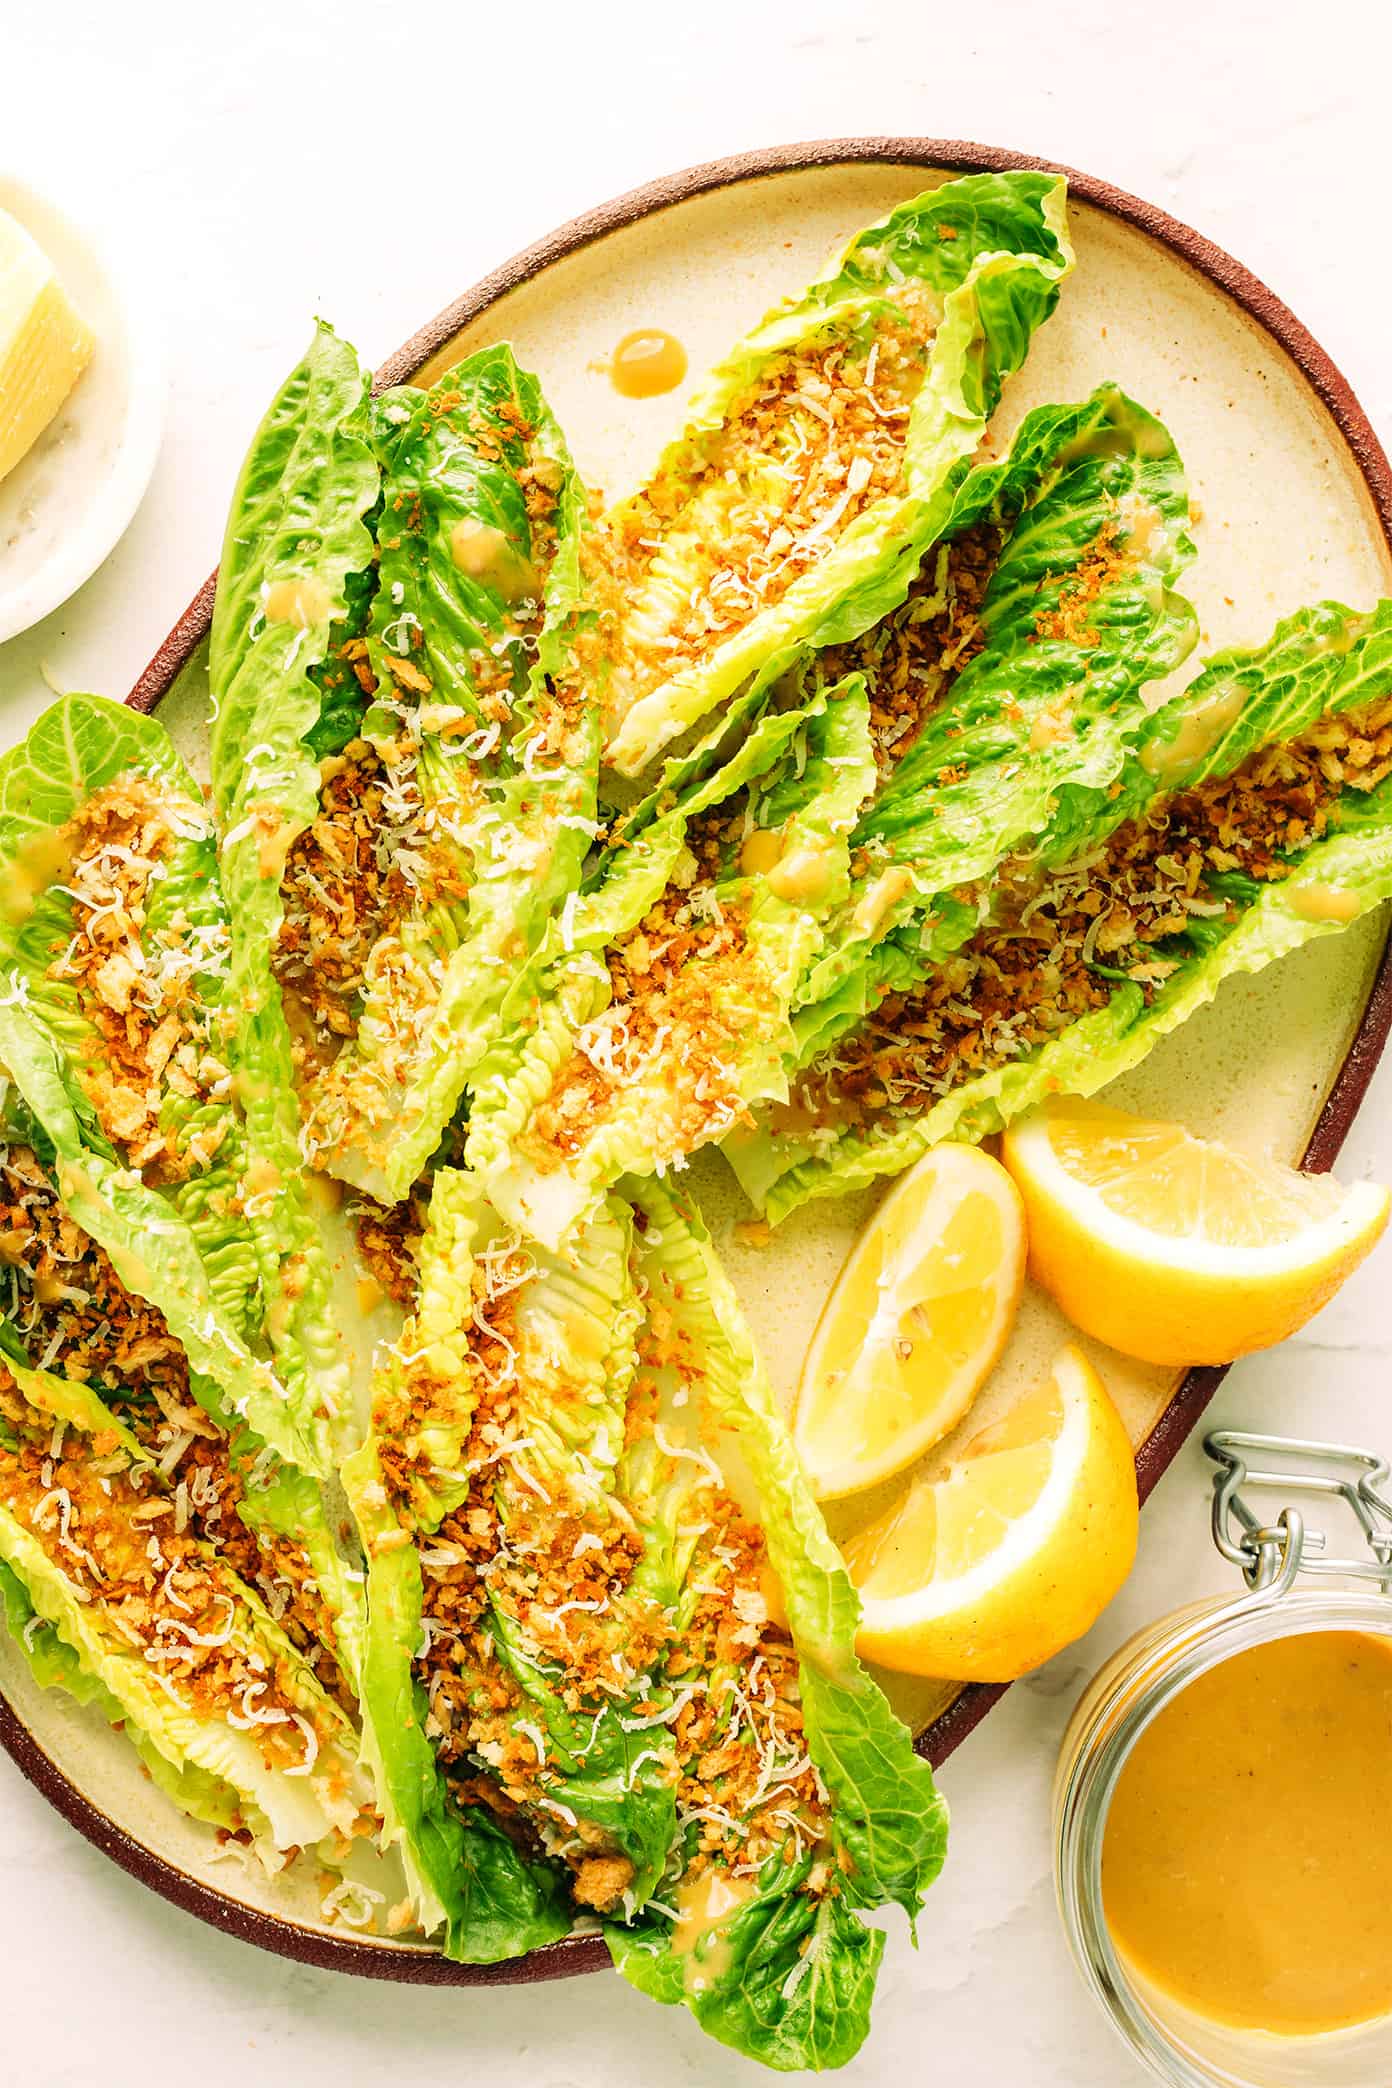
[69, 502]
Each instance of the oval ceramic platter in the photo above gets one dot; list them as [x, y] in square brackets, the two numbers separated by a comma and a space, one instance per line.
[1293, 501]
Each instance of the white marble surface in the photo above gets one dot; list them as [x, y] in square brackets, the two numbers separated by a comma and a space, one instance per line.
[274, 160]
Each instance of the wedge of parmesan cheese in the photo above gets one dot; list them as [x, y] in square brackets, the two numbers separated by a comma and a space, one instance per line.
[44, 345]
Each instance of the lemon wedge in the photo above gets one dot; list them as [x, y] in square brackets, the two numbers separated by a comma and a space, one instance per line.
[915, 1322]
[987, 1572]
[1176, 1249]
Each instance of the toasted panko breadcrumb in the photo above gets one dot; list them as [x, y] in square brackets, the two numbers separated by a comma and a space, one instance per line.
[911, 658]
[686, 991]
[155, 1036]
[115, 1535]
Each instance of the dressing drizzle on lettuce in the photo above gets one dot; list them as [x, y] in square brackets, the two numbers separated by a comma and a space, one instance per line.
[455, 808]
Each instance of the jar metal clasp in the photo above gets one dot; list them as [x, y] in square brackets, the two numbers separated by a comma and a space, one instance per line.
[1271, 1554]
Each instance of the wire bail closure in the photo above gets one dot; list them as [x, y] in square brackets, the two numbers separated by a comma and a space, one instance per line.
[1272, 1554]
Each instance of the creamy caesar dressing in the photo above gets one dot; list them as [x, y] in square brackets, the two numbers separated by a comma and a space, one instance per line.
[884, 894]
[41, 860]
[1141, 521]
[802, 877]
[1324, 902]
[706, 1905]
[484, 553]
[1054, 723]
[300, 600]
[646, 363]
[1199, 733]
[759, 852]
[1247, 1864]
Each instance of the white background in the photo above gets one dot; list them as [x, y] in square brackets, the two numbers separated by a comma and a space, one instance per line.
[369, 162]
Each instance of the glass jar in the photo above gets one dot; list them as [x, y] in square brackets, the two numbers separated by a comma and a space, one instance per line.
[1180, 2046]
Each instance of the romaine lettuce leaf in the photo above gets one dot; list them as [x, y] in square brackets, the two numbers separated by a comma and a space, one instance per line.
[770, 1956]
[786, 1977]
[1271, 767]
[158, 1625]
[819, 458]
[116, 1031]
[295, 550]
[497, 1426]
[659, 1009]
[489, 742]
[55, 1665]
[1014, 672]
[463, 1871]
[126, 1060]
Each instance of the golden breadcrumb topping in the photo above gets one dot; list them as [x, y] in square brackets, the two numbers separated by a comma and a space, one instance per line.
[157, 1041]
[367, 859]
[912, 657]
[113, 1531]
[687, 989]
[387, 1237]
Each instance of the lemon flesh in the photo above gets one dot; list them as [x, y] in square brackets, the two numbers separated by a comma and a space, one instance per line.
[989, 1571]
[915, 1323]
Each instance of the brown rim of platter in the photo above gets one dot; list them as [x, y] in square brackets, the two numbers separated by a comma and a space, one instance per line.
[587, 1952]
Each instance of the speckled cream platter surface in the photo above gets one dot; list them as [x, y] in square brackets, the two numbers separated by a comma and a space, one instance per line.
[1293, 501]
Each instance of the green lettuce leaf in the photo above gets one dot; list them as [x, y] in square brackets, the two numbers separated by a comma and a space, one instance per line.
[1079, 614]
[945, 294]
[780, 1967]
[1318, 664]
[295, 549]
[592, 1079]
[76, 1533]
[557, 1378]
[489, 733]
[787, 1979]
[186, 1246]
[180, 1228]
[463, 1872]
